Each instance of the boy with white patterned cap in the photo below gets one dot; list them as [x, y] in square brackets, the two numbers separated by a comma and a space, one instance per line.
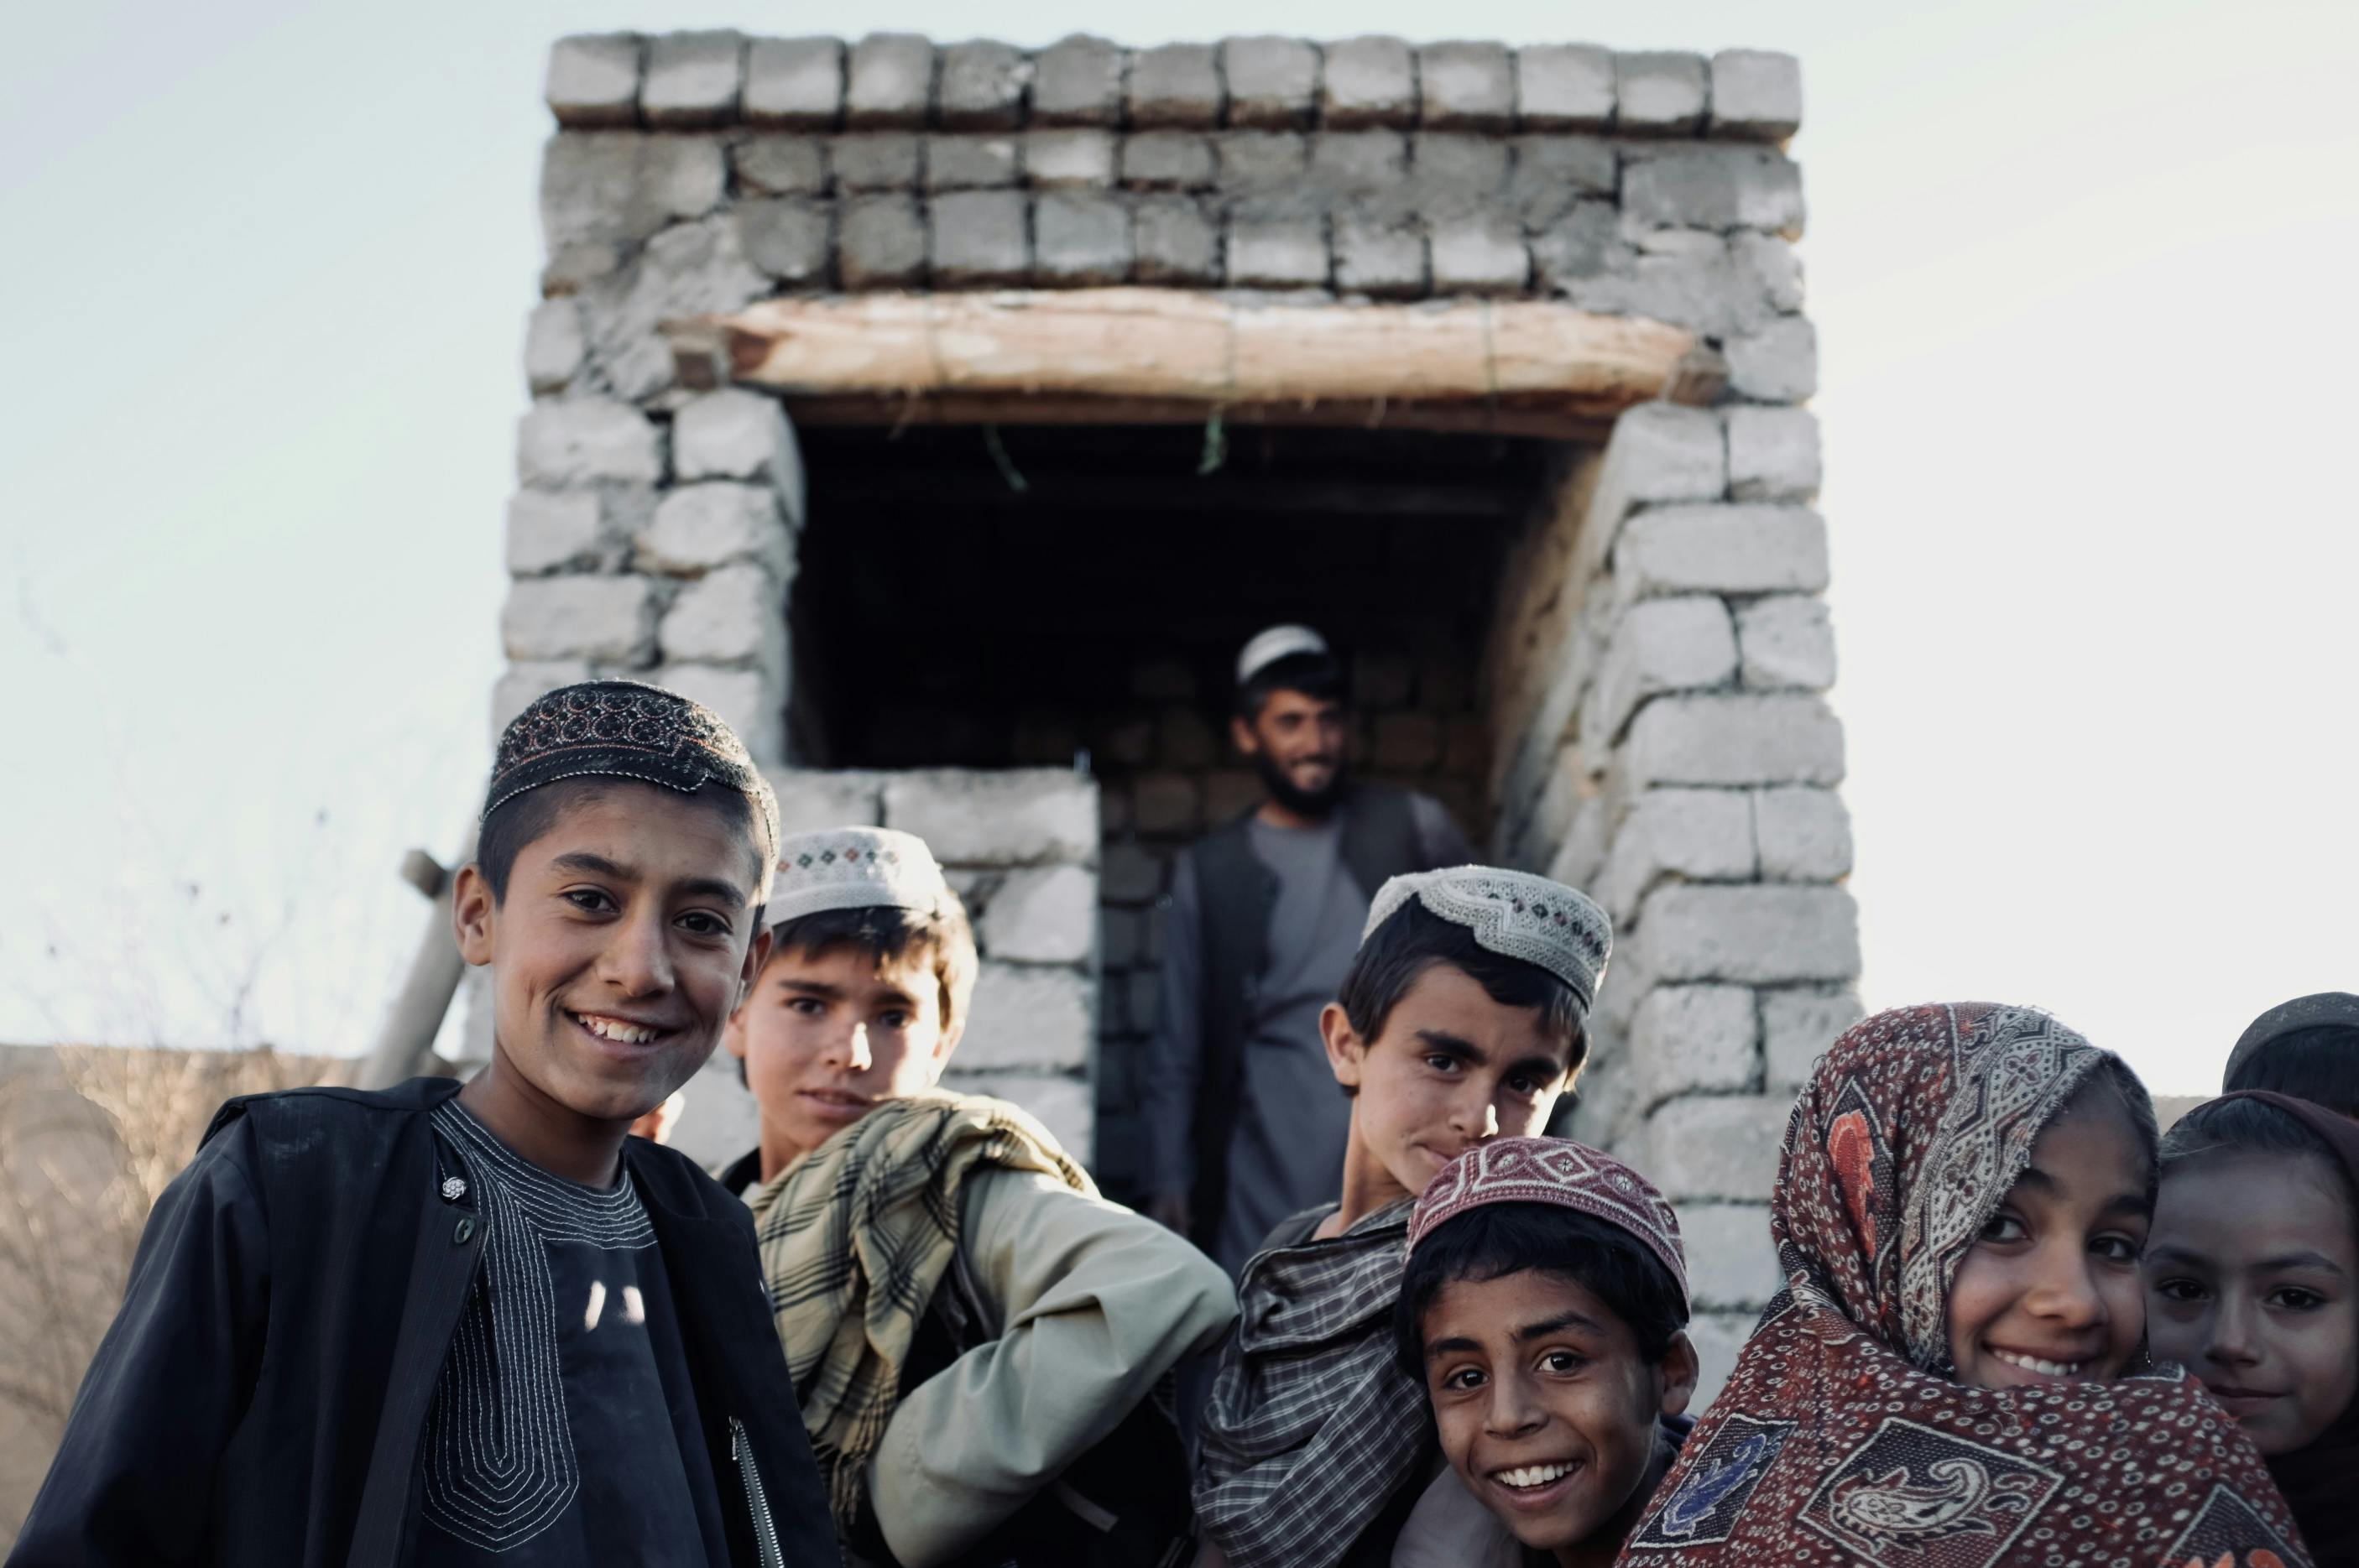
[1463, 1018]
[978, 1334]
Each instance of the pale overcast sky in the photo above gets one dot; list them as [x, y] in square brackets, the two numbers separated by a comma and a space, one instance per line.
[2082, 276]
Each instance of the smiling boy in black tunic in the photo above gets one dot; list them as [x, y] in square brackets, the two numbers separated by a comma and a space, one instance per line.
[439, 1325]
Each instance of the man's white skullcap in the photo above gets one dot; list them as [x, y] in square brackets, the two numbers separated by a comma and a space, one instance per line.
[855, 867]
[1277, 643]
[1514, 914]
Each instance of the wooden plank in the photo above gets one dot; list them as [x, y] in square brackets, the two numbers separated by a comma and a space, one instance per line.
[1150, 347]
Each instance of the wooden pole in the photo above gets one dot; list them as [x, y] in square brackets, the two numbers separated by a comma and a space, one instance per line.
[405, 1046]
[1181, 351]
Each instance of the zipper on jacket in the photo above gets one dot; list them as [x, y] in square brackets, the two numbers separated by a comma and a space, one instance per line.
[766, 1534]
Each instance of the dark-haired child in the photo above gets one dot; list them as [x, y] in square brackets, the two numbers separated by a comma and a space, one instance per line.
[2308, 1048]
[1462, 1019]
[2252, 1284]
[1950, 1373]
[444, 1325]
[1544, 1307]
[978, 1334]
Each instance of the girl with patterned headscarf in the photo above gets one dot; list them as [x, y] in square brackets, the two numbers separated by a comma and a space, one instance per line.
[1954, 1372]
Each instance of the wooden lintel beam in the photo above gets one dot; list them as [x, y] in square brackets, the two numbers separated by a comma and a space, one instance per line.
[1069, 354]
[1017, 408]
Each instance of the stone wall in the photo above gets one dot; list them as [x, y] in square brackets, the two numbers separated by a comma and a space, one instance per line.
[1660, 668]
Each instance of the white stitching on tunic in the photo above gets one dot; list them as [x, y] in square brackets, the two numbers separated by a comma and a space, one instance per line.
[499, 1452]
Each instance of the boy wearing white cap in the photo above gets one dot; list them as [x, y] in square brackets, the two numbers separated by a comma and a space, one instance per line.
[1244, 1125]
[1463, 1018]
[978, 1334]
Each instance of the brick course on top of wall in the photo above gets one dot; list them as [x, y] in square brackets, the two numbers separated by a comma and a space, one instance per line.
[1649, 183]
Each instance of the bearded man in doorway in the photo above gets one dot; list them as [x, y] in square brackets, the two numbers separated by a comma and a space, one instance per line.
[1244, 1124]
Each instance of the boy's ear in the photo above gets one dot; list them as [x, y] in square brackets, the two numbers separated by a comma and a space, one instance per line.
[1241, 733]
[473, 911]
[1346, 1052]
[1682, 1370]
[945, 1041]
[757, 953]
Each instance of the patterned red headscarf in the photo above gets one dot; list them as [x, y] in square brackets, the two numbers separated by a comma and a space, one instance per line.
[1841, 1439]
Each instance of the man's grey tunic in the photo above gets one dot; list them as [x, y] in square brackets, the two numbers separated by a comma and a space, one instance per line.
[1286, 1151]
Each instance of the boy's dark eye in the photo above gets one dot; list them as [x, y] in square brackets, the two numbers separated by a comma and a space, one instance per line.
[1564, 1362]
[590, 901]
[1464, 1379]
[705, 925]
[805, 1006]
[2293, 1297]
[1441, 1064]
[1524, 1085]
[2178, 1290]
[895, 1020]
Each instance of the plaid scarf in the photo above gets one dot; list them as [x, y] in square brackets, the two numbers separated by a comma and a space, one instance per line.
[1312, 1425]
[856, 1237]
[1842, 1435]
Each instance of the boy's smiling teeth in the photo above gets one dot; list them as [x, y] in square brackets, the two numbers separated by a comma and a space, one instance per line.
[615, 1029]
[2034, 1364]
[1530, 1475]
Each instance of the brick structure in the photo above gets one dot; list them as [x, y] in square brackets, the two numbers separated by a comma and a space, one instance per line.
[1606, 651]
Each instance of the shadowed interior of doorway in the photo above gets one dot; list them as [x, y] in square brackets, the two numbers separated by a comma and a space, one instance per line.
[977, 597]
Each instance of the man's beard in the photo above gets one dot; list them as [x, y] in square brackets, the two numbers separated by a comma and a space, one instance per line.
[1293, 796]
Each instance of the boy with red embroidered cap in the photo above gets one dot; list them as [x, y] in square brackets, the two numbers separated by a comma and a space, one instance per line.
[979, 1337]
[483, 1326]
[1462, 1019]
[1544, 1308]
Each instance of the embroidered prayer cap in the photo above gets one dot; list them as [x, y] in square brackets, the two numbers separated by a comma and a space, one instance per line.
[1277, 642]
[1514, 914]
[2331, 1009]
[1554, 1171]
[626, 729]
[855, 867]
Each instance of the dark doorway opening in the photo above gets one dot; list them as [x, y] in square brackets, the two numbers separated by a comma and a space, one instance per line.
[977, 597]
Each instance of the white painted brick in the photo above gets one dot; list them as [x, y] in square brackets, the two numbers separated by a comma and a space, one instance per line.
[1046, 915]
[699, 526]
[1664, 644]
[751, 701]
[1659, 92]
[1731, 1260]
[1703, 835]
[611, 620]
[1025, 1016]
[735, 615]
[1716, 1146]
[1060, 1102]
[1714, 188]
[523, 684]
[1718, 1336]
[1742, 548]
[1686, 1038]
[1804, 835]
[1796, 1027]
[566, 441]
[814, 798]
[1757, 94]
[1773, 452]
[1777, 364]
[594, 81]
[1788, 642]
[552, 529]
[794, 81]
[1011, 818]
[607, 187]
[1775, 738]
[1658, 452]
[554, 346]
[1758, 934]
[693, 78]
[1069, 158]
[735, 434]
[1564, 87]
